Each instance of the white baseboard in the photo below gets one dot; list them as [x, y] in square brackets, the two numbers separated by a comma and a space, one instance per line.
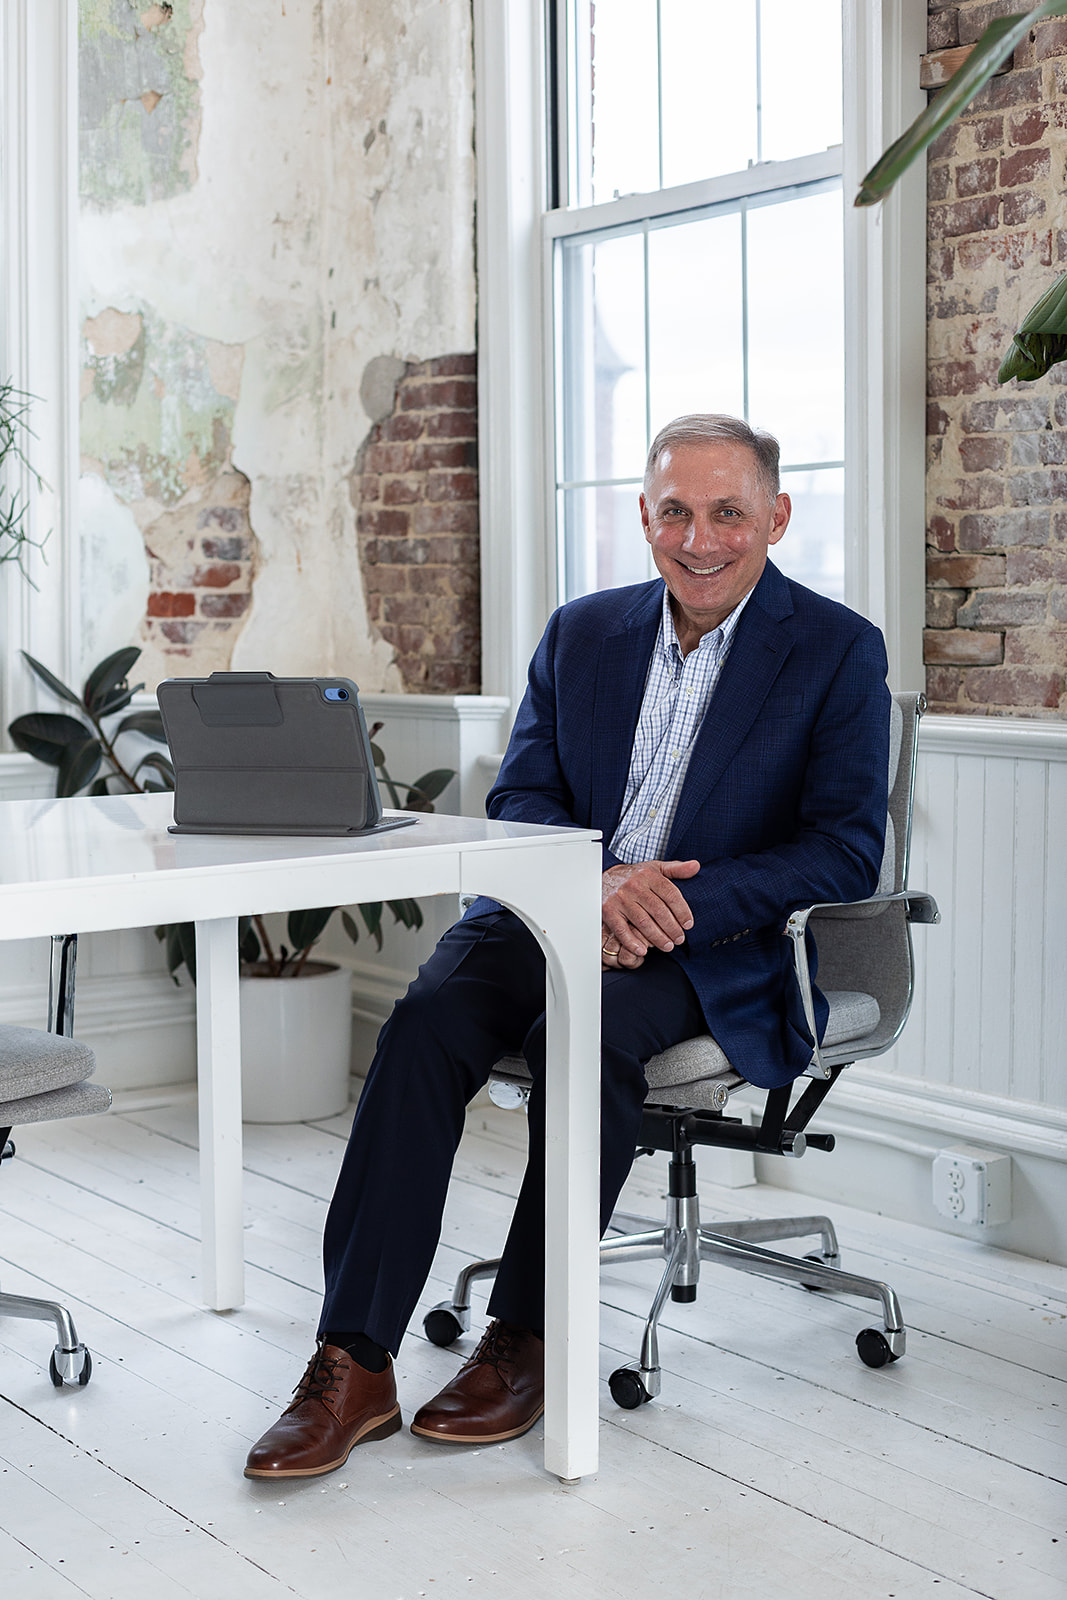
[888, 1134]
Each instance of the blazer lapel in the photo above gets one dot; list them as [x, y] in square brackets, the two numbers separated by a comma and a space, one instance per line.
[761, 644]
[622, 668]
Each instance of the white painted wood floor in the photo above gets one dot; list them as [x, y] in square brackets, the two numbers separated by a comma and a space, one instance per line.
[774, 1465]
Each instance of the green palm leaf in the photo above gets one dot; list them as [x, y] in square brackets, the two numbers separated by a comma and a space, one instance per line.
[1042, 339]
[993, 48]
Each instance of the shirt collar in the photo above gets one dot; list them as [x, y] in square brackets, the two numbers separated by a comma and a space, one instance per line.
[717, 639]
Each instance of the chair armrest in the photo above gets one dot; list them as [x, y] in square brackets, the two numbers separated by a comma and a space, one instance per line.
[920, 907]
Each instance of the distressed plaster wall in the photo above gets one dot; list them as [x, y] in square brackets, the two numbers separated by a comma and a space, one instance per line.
[275, 198]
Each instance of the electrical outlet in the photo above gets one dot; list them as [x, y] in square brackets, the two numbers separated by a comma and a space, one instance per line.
[973, 1186]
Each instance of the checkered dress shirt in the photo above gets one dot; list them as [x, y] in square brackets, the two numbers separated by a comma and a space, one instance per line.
[678, 691]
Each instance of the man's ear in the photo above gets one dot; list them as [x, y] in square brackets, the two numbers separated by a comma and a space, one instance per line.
[645, 516]
[783, 510]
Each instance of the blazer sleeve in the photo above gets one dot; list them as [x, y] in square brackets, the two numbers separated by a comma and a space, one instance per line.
[530, 786]
[835, 852]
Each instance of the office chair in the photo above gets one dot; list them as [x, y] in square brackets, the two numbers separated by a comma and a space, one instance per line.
[866, 972]
[42, 1077]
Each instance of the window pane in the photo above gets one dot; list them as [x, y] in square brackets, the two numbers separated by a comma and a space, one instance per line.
[604, 433]
[800, 57]
[813, 548]
[695, 318]
[795, 325]
[620, 110]
[603, 540]
[709, 88]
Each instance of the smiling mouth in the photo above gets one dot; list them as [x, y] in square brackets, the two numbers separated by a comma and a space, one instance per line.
[703, 572]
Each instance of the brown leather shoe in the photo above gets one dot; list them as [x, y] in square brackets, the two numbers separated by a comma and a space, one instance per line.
[497, 1394]
[337, 1405]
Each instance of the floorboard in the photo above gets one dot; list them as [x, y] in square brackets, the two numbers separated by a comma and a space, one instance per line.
[773, 1464]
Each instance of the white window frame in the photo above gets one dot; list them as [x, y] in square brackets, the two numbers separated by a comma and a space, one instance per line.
[885, 333]
[39, 332]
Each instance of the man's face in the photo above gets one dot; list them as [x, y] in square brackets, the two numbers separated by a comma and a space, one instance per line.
[709, 521]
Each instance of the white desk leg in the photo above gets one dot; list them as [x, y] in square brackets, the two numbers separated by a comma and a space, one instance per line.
[218, 1055]
[557, 893]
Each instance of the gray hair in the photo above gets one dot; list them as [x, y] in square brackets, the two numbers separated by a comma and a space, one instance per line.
[711, 428]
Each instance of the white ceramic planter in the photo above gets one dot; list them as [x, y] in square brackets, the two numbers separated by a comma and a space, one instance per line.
[295, 1044]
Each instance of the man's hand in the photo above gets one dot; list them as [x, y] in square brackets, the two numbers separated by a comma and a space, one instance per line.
[641, 908]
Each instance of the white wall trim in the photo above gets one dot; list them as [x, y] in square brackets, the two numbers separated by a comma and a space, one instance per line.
[437, 707]
[1016, 737]
[38, 328]
[984, 1119]
[510, 141]
[107, 1005]
[885, 334]
[23, 778]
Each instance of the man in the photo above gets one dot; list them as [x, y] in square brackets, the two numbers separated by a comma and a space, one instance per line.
[727, 730]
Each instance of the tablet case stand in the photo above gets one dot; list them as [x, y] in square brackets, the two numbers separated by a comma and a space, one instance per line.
[256, 754]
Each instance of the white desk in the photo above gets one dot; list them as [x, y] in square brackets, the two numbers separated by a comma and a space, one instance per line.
[82, 865]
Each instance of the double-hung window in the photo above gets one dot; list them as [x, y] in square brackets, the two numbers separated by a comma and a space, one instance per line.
[695, 261]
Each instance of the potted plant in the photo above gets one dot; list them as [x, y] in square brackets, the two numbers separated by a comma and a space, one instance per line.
[295, 1037]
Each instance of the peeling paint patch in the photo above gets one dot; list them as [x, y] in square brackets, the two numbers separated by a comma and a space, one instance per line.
[157, 427]
[160, 411]
[139, 100]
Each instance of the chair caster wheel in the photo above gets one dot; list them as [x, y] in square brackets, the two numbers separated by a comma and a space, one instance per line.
[441, 1326]
[627, 1389]
[78, 1364]
[873, 1348]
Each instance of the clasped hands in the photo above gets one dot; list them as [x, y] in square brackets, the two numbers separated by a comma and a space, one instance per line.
[642, 909]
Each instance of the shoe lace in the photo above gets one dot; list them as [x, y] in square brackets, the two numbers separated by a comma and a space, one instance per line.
[497, 1345]
[322, 1378]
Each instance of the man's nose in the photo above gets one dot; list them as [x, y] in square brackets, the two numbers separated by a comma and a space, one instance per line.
[701, 534]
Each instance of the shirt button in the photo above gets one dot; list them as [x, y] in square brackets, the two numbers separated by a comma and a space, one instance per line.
[689, 692]
[652, 813]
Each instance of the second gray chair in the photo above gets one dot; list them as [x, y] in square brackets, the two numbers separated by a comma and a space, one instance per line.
[43, 1076]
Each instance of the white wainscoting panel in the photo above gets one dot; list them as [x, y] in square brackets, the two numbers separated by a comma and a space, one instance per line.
[983, 1059]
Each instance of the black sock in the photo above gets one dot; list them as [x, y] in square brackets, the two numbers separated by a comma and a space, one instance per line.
[364, 1352]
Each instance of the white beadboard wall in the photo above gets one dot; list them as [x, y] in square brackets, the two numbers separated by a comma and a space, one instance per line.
[983, 1059]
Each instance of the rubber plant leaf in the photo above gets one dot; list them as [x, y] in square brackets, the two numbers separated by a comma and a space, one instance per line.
[990, 51]
[431, 784]
[52, 681]
[78, 767]
[304, 927]
[109, 676]
[150, 723]
[46, 735]
[1042, 339]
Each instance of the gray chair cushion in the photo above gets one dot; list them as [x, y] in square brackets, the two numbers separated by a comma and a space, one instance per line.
[33, 1062]
[685, 1066]
[78, 1100]
[852, 1016]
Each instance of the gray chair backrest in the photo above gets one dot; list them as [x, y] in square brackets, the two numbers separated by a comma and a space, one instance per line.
[869, 948]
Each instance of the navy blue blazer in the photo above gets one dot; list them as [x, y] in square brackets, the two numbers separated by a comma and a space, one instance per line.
[784, 801]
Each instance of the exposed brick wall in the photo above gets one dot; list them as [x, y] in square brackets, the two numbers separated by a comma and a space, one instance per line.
[996, 638]
[415, 488]
[201, 557]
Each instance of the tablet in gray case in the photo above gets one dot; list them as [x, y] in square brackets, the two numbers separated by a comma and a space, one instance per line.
[256, 754]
